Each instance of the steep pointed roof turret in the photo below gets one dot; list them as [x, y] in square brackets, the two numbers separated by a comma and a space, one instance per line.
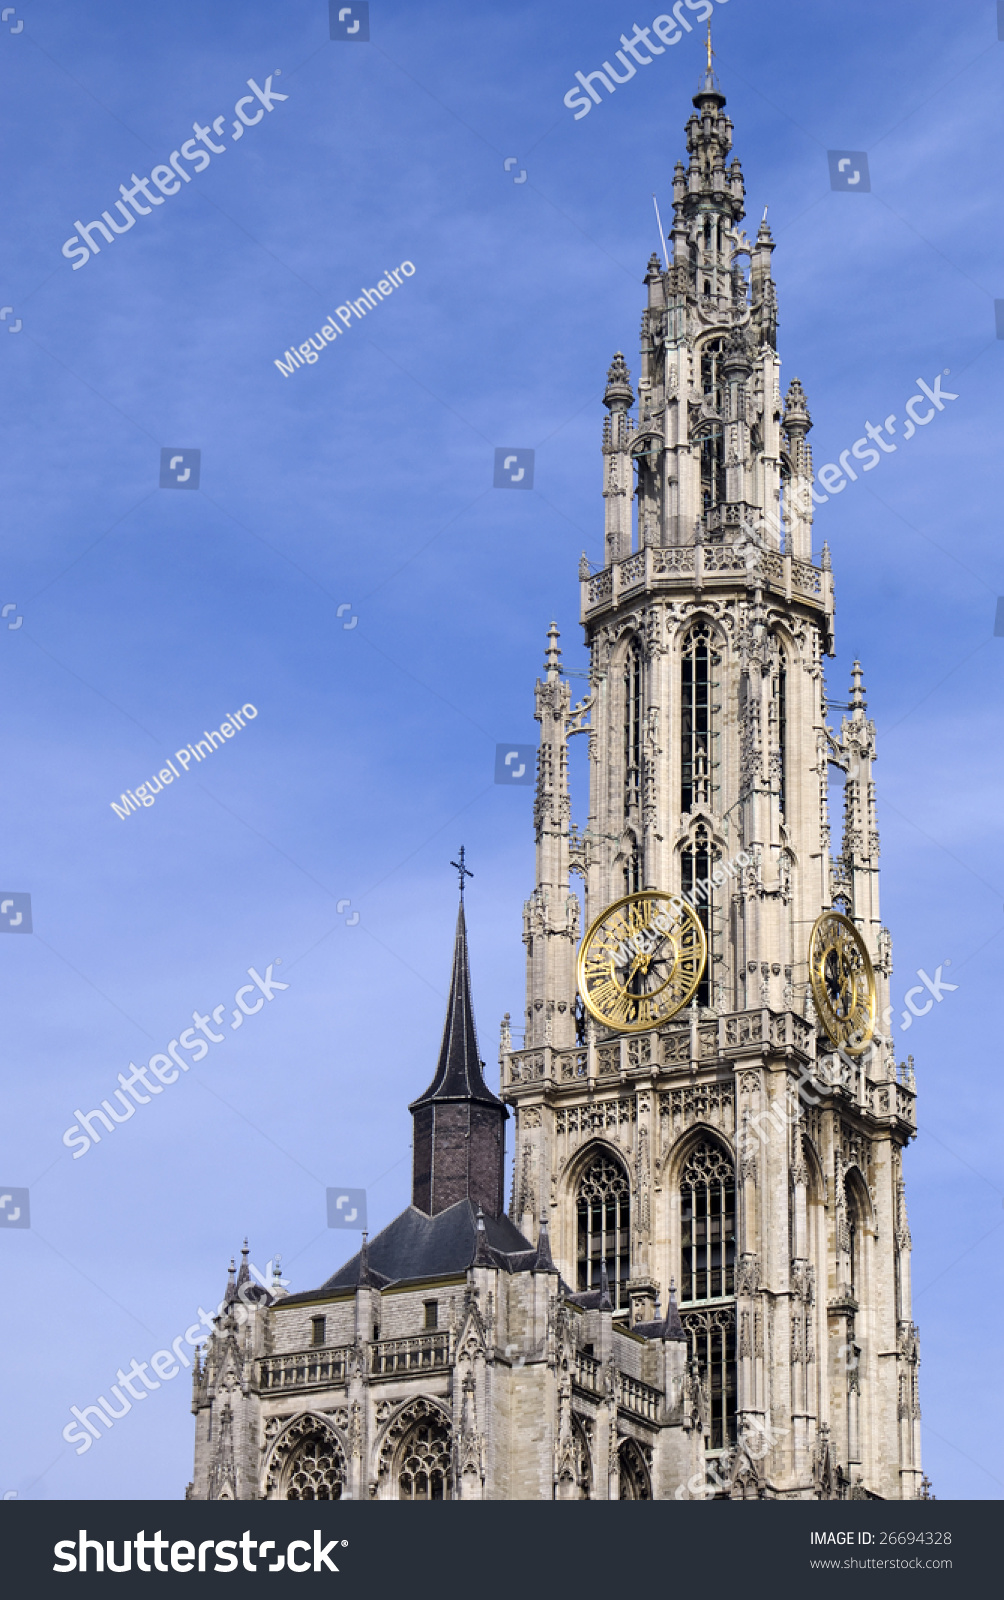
[544, 1262]
[459, 1072]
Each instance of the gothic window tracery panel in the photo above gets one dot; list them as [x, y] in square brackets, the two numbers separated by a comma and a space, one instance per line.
[604, 1226]
[712, 443]
[781, 731]
[633, 719]
[698, 860]
[711, 1336]
[423, 1463]
[700, 715]
[316, 1469]
[707, 1221]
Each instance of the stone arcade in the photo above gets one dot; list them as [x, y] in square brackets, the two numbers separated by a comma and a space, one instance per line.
[702, 1285]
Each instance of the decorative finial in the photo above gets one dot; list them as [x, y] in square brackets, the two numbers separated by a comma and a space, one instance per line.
[710, 51]
[552, 656]
[858, 702]
[619, 395]
[464, 872]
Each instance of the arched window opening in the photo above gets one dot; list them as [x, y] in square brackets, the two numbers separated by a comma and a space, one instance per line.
[700, 712]
[712, 1339]
[781, 697]
[713, 442]
[633, 702]
[708, 1225]
[711, 372]
[633, 1473]
[697, 863]
[604, 1227]
[316, 1469]
[424, 1462]
[783, 508]
[632, 866]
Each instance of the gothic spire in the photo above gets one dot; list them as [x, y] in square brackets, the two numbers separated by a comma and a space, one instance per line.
[458, 1074]
[459, 1123]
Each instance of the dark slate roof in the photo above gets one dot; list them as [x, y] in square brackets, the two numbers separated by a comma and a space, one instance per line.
[595, 1299]
[458, 1075]
[415, 1245]
[669, 1327]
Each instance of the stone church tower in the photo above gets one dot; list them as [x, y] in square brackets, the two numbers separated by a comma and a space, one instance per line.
[718, 1299]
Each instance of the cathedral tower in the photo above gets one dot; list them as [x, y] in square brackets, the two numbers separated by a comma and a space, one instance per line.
[748, 1146]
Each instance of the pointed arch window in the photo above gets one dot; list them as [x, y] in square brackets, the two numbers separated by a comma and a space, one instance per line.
[316, 1470]
[700, 714]
[424, 1462]
[632, 866]
[633, 704]
[633, 1472]
[707, 1276]
[697, 863]
[604, 1227]
[707, 1224]
[781, 700]
[713, 444]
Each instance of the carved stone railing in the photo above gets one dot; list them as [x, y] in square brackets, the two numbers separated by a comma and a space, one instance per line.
[422, 1352]
[639, 1398]
[587, 1374]
[304, 1369]
[526, 1065]
[707, 565]
[572, 1064]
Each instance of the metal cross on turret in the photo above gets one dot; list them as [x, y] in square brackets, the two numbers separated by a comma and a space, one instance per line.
[464, 872]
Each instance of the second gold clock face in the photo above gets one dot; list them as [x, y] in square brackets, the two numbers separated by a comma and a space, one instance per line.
[843, 983]
[641, 960]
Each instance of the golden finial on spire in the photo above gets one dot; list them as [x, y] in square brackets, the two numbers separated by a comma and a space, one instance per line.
[710, 51]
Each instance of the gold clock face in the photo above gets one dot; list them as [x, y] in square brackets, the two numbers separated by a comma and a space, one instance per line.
[641, 960]
[843, 983]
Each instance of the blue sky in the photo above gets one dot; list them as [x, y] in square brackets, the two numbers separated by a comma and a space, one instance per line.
[365, 480]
